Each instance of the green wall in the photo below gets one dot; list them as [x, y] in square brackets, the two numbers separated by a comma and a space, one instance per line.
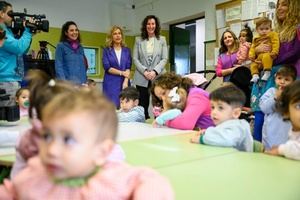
[88, 38]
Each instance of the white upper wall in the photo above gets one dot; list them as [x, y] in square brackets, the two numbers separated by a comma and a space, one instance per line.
[99, 15]
[173, 11]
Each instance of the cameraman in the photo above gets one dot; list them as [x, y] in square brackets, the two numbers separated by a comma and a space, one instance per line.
[10, 51]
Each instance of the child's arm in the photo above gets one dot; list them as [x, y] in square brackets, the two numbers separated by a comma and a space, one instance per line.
[267, 101]
[252, 52]
[227, 136]
[168, 115]
[196, 106]
[291, 149]
[275, 44]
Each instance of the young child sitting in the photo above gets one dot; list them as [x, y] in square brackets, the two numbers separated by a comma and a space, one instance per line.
[77, 136]
[230, 131]
[43, 90]
[22, 99]
[275, 129]
[130, 111]
[289, 107]
[245, 39]
[173, 106]
[266, 36]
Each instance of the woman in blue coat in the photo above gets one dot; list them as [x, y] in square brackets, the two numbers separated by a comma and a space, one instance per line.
[70, 62]
[116, 63]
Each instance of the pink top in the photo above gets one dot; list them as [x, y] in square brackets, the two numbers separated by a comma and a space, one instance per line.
[243, 53]
[196, 112]
[23, 111]
[114, 181]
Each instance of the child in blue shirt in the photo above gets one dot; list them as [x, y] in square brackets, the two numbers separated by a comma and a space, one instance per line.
[230, 131]
[275, 129]
[130, 111]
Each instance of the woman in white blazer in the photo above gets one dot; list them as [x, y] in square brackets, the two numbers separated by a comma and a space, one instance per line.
[150, 55]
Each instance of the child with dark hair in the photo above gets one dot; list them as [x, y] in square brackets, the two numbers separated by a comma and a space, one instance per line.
[245, 39]
[289, 107]
[91, 83]
[130, 111]
[275, 129]
[230, 131]
[173, 106]
[22, 99]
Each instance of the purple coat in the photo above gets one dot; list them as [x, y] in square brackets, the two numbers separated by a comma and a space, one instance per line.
[112, 84]
[289, 52]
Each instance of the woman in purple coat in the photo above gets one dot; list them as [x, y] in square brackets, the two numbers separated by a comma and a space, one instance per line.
[116, 61]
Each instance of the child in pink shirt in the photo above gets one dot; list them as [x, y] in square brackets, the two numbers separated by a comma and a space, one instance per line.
[245, 39]
[43, 89]
[77, 136]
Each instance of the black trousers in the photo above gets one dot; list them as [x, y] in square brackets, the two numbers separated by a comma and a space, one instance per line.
[144, 98]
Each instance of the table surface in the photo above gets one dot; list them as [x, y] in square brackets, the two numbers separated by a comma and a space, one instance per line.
[168, 150]
[235, 176]
[132, 131]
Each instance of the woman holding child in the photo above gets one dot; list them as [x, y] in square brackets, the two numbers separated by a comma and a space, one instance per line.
[287, 25]
[197, 108]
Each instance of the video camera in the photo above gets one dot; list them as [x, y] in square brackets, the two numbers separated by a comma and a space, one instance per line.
[19, 18]
[8, 113]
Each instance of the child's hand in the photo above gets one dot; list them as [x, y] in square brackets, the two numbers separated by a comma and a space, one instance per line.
[196, 137]
[274, 151]
[278, 92]
[155, 124]
[273, 55]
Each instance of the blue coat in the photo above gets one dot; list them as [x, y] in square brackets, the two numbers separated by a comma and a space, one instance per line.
[70, 64]
[112, 84]
[13, 48]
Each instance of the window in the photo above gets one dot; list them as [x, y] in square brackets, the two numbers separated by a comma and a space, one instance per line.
[93, 57]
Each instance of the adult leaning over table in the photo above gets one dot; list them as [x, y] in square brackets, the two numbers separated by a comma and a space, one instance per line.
[287, 25]
[196, 113]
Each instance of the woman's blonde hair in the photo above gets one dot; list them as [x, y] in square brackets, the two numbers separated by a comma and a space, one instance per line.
[287, 27]
[109, 41]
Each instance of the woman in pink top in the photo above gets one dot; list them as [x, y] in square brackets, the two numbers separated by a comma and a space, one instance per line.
[77, 136]
[227, 55]
[196, 113]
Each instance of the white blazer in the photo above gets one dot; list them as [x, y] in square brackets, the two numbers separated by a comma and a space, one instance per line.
[160, 58]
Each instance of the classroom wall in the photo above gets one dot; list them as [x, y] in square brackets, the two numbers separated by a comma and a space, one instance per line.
[99, 15]
[174, 11]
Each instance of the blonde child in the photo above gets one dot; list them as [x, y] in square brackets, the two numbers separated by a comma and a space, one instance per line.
[173, 105]
[78, 134]
[43, 90]
[275, 129]
[130, 111]
[230, 131]
[265, 36]
[22, 99]
[289, 107]
[245, 39]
